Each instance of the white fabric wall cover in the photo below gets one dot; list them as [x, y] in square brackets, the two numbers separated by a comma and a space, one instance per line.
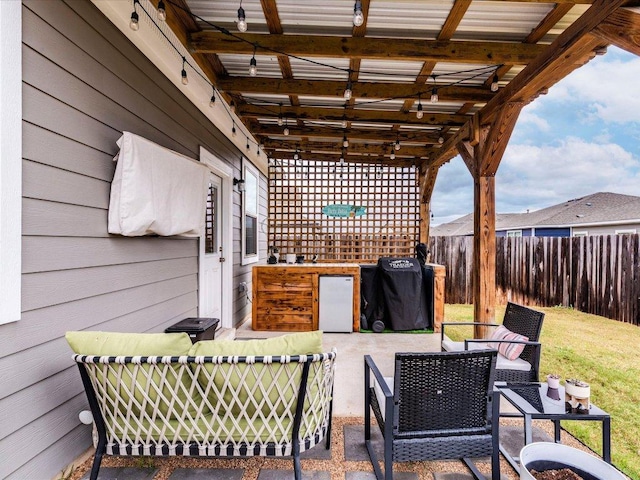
[156, 191]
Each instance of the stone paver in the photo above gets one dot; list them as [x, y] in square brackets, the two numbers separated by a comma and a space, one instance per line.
[512, 438]
[371, 476]
[207, 474]
[354, 447]
[288, 475]
[124, 473]
[319, 452]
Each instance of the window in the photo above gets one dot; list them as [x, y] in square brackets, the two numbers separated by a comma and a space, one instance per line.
[580, 233]
[250, 213]
[626, 230]
[11, 163]
[514, 233]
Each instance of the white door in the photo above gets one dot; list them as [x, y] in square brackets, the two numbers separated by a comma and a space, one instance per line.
[211, 252]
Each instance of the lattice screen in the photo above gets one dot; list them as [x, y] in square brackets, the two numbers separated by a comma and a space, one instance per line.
[300, 190]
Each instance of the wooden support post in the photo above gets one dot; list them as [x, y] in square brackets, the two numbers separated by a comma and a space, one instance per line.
[482, 154]
[438, 296]
[484, 253]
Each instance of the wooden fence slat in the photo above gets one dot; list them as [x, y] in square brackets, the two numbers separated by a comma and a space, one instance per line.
[596, 274]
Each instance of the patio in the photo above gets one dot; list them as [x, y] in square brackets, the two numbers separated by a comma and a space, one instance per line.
[426, 82]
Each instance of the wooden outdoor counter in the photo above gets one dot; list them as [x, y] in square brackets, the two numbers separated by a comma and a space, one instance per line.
[285, 296]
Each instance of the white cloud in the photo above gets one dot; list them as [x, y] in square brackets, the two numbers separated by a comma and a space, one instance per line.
[529, 117]
[533, 177]
[608, 86]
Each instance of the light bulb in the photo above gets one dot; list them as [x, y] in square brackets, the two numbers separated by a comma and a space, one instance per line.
[341, 160]
[441, 139]
[345, 141]
[397, 145]
[393, 155]
[242, 20]
[280, 121]
[347, 91]
[434, 95]
[358, 16]
[494, 83]
[253, 67]
[185, 79]
[212, 102]
[232, 106]
[296, 155]
[247, 145]
[233, 130]
[162, 12]
[133, 24]
[419, 112]
[286, 131]
[344, 123]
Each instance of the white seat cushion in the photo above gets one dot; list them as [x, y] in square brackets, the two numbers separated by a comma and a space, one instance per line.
[502, 363]
[379, 394]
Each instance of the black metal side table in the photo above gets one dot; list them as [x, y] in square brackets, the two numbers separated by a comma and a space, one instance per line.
[531, 400]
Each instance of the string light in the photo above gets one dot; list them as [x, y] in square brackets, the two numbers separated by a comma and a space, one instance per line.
[280, 121]
[344, 122]
[358, 16]
[419, 112]
[253, 65]
[393, 154]
[162, 11]
[440, 139]
[397, 145]
[248, 144]
[345, 141]
[212, 102]
[183, 74]
[286, 128]
[494, 83]
[133, 24]
[296, 155]
[242, 19]
[233, 129]
[348, 92]
[232, 106]
[434, 91]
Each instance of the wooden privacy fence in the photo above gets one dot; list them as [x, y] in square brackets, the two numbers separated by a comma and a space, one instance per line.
[596, 274]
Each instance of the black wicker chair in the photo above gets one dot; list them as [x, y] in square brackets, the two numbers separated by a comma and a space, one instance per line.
[518, 319]
[440, 406]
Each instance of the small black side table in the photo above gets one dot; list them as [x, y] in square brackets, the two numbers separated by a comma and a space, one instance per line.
[531, 400]
[198, 328]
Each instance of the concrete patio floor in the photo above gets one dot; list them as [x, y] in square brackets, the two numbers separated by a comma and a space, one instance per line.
[352, 347]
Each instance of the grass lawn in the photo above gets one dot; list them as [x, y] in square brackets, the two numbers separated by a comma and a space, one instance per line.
[605, 353]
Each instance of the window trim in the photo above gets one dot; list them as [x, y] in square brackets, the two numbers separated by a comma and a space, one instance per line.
[580, 233]
[249, 169]
[514, 233]
[624, 231]
[11, 164]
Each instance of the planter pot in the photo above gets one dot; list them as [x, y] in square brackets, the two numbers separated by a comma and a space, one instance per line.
[542, 456]
[553, 382]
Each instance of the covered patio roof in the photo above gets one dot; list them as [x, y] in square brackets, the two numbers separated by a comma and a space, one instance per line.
[436, 78]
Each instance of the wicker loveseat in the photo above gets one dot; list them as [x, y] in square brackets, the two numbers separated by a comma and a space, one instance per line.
[207, 405]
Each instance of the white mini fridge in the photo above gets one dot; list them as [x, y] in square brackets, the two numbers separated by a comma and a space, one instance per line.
[336, 303]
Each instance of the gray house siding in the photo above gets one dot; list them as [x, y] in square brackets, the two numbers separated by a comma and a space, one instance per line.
[84, 84]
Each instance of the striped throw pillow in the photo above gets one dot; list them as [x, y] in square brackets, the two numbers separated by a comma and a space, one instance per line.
[508, 350]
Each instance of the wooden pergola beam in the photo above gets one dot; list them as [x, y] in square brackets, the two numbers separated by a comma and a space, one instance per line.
[331, 147]
[318, 46]
[350, 159]
[274, 131]
[569, 51]
[622, 29]
[370, 90]
[352, 115]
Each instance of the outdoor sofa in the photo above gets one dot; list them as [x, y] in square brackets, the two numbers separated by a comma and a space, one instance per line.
[157, 394]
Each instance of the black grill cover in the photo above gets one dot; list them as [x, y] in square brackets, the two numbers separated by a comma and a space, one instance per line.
[405, 305]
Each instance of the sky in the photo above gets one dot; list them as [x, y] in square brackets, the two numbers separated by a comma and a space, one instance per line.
[581, 138]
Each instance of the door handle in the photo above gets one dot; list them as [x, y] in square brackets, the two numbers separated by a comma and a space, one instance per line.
[222, 259]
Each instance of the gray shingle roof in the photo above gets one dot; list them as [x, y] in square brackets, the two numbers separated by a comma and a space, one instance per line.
[597, 208]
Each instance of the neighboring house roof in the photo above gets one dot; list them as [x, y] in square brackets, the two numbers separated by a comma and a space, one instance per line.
[602, 208]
